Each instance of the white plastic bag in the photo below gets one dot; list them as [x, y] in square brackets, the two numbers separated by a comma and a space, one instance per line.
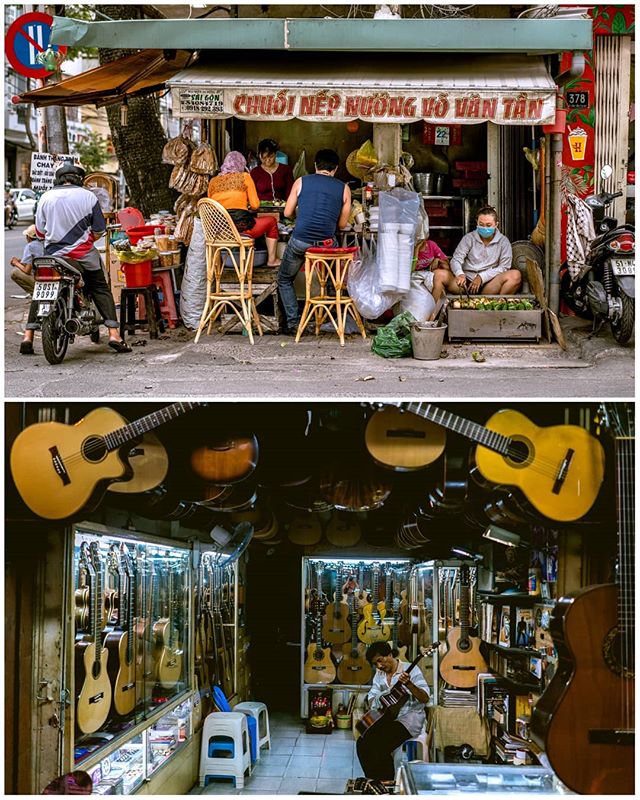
[193, 291]
[419, 301]
[363, 283]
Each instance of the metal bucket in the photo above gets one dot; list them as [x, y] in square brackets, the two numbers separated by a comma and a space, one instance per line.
[427, 339]
[425, 182]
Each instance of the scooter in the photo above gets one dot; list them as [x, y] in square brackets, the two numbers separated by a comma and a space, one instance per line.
[605, 288]
[64, 309]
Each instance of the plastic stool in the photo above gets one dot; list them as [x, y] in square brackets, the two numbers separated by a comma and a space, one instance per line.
[153, 317]
[225, 751]
[411, 750]
[164, 285]
[260, 714]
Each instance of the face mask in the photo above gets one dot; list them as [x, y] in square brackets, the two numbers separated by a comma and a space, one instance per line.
[485, 233]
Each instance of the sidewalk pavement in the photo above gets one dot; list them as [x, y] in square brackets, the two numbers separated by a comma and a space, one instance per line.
[227, 366]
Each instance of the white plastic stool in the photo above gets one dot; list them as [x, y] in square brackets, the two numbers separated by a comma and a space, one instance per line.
[259, 712]
[420, 743]
[227, 732]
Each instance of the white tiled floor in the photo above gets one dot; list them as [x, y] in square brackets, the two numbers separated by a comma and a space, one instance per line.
[297, 762]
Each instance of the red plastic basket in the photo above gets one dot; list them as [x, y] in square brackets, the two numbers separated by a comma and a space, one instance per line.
[139, 232]
[139, 274]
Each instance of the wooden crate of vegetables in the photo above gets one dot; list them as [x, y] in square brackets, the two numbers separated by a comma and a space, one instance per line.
[490, 317]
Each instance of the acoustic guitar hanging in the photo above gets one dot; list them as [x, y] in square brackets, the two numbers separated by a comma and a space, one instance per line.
[462, 662]
[149, 462]
[559, 468]
[120, 641]
[354, 667]
[92, 679]
[75, 464]
[585, 718]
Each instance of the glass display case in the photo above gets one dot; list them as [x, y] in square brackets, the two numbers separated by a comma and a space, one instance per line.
[348, 604]
[167, 735]
[122, 771]
[131, 605]
[420, 778]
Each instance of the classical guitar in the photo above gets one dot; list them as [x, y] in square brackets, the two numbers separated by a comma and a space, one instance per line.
[304, 528]
[404, 616]
[318, 667]
[94, 698]
[401, 649]
[76, 463]
[462, 662]
[393, 701]
[149, 462]
[169, 652]
[559, 469]
[82, 595]
[335, 628]
[143, 631]
[354, 667]
[585, 718]
[343, 530]
[372, 627]
[120, 642]
[403, 443]
[225, 461]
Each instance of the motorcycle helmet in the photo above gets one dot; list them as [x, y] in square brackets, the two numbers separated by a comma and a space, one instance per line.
[69, 173]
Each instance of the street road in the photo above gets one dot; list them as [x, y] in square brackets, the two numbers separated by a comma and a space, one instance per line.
[275, 367]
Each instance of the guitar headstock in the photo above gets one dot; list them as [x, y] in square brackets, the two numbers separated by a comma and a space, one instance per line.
[113, 560]
[84, 564]
[127, 563]
[618, 419]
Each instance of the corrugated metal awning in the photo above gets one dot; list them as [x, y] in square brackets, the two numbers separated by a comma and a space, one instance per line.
[137, 74]
[512, 90]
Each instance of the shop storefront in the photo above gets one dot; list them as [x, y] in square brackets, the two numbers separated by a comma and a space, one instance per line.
[266, 564]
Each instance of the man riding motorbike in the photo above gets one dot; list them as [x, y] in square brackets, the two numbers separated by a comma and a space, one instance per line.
[10, 211]
[69, 219]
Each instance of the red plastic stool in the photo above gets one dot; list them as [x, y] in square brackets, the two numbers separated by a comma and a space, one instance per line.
[164, 284]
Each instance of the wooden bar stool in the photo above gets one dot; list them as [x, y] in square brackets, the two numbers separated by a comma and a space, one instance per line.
[330, 266]
[152, 320]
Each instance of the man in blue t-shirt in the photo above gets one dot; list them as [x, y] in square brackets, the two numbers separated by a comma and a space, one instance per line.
[323, 204]
[21, 274]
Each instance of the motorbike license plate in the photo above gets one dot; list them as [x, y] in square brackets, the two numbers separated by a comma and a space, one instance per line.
[46, 291]
[623, 266]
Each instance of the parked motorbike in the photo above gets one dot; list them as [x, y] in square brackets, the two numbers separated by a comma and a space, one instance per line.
[65, 310]
[604, 290]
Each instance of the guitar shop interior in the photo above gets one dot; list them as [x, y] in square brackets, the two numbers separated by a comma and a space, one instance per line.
[202, 598]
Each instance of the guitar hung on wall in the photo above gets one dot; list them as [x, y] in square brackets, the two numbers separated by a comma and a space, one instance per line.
[462, 662]
[372, 628]
[354, 667]
[75, 464]
[143, 629]
[336, 629]
[559, 468]
[585, 718]
[392, 701]
[169, 654]
[119, 642]
[319, 666]
[91, 675]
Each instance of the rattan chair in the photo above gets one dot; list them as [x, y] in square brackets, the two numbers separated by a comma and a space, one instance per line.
[226, 247]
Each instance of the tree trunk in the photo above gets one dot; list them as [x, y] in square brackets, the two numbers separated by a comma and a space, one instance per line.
[139, 144]
[56, 116]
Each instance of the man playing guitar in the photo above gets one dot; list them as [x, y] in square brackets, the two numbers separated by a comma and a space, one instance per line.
[375, 747]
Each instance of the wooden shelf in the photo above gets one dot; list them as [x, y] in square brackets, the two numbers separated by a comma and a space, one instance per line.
[524, 600]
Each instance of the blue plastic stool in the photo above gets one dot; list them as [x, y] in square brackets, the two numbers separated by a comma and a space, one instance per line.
[222, 703]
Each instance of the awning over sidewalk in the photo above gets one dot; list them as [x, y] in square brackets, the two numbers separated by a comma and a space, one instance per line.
[137, 74]
[506, 89]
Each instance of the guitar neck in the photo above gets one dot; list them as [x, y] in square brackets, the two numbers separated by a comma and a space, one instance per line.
[625, 480]
[136, 429]
[470, 430]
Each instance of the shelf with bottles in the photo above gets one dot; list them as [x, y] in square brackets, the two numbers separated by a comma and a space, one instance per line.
[122, 771]
[129, 658]
[167, 735]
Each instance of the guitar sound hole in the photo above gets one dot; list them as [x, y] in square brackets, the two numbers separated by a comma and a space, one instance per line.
[95, 669]
[518, 452]
[94, 448]
[618, 654]
[464, 645]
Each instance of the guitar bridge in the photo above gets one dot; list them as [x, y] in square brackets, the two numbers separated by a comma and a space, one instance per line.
[561, 477]
[58, 465]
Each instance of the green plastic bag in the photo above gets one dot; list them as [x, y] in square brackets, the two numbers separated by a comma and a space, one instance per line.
[394, 340]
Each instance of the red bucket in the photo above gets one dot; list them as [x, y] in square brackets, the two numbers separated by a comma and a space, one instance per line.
[139, 274]
[139, 232]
